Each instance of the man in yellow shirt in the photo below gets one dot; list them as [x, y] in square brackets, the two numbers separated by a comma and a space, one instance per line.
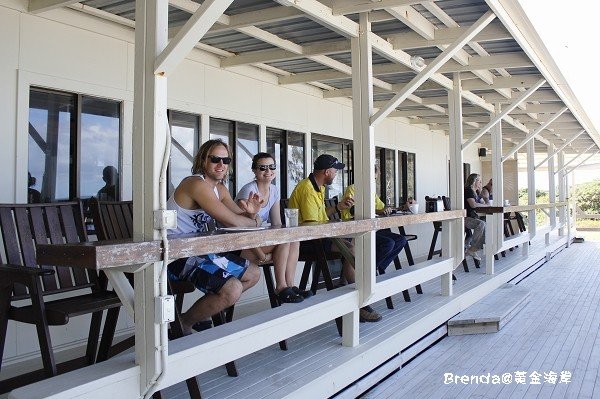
[387, 244]
[309, 198]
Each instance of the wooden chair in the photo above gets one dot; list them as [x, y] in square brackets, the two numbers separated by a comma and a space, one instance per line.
[22, 228]
[437, 228]
[113, 220]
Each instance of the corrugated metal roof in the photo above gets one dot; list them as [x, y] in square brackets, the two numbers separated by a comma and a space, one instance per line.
[303, 30]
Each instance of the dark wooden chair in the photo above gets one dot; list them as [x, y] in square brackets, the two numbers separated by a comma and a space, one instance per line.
[437, 229]
[113, 220]
[22, 228]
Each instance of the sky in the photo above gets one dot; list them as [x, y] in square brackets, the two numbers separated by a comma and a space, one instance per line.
[570, 31]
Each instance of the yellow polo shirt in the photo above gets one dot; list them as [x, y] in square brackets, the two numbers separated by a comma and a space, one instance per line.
[309, 198]
[346, 214]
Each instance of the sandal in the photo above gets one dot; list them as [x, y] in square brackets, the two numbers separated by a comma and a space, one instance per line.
[287, 295]
[303, 293]
[202, 325]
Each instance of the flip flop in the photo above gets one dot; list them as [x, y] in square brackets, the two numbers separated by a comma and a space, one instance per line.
[287, 295]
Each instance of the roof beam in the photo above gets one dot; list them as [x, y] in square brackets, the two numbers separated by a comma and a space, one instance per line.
[298, 51]
[545, 95]
[345, 26]
[38, 6]
[273, 14]
[499, 61]
[432, 68]
[513, 82]
[443, 37]
[559, 149]
[582, 162]
[396, 88]
[539, 109]
[534, 133]
[340, 7]
[504, 113]
[191, 33]
[577, 156]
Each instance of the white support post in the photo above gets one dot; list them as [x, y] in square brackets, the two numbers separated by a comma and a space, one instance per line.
[551, 187]
[489, 246]
[364, 157]
[562, 195]
[149, 140]
[454, 245]
[262, 138]
[572, 205]
[350, 333]
[531, 188]
[498, 178]
[204, 128]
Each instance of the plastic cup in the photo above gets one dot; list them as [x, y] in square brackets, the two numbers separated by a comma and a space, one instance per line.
[291, 217]
[506, 203]
[413, 208]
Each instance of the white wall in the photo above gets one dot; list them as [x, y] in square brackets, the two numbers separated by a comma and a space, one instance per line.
[64, 49]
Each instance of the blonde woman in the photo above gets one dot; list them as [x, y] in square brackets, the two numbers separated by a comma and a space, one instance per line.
[472, 221]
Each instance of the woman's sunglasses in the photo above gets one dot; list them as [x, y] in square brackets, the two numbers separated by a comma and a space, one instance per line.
[216, 159]
[263, 168]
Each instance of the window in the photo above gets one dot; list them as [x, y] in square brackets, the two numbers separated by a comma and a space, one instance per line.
[288, 149]
[342, 150]
[407, 176]
[245, 137]
[185, 136]
[74, 146]
[386, 188]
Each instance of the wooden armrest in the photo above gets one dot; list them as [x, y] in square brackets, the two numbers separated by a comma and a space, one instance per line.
[27, 271]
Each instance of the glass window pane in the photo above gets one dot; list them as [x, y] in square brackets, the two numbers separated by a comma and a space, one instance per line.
[185, 130]
[51, 129]
[99, 157]
[295, 160]
[411, 175]
[390, 178]
[246, 146]
[275, 140]
[337, 150]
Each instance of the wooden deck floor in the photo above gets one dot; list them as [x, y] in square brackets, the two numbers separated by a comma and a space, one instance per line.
[308, 368]
[557, 331]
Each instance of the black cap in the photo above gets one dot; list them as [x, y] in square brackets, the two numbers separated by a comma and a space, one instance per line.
[326, 161]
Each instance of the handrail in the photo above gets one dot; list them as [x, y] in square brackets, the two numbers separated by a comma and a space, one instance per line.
[121, 255]
[522, 208]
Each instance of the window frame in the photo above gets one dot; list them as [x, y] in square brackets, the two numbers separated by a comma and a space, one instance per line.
[75, 145]
[285, 134]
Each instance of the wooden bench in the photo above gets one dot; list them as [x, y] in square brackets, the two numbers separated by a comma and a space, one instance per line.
[23, 227]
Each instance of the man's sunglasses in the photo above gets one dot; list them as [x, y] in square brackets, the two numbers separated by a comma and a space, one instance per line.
[263, 168]
[216, 159]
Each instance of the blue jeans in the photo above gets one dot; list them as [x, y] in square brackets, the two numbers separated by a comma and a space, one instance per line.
[387, 246]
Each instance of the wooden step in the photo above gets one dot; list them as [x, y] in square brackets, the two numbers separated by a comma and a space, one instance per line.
[491, 313]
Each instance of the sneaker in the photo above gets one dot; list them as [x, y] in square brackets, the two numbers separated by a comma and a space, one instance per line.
[473, 254]
[369, 315]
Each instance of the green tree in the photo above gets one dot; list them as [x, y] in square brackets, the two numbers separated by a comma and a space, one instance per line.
[588, 196]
